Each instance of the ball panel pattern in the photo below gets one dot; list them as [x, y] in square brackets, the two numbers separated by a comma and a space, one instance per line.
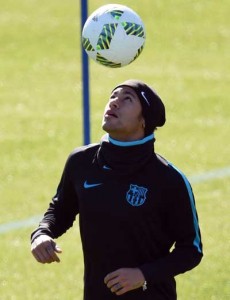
[106, 36]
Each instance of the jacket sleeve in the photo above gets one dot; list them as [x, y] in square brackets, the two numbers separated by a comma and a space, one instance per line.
[183, 230]
[63, 208]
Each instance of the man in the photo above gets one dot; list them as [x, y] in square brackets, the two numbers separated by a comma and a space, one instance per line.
[133, 206]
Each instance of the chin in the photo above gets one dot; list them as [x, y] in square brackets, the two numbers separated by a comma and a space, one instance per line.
[107, 126]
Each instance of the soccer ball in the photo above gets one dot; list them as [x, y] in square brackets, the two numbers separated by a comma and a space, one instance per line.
[113, 35]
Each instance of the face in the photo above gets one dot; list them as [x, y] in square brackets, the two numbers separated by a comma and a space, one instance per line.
[123, 118]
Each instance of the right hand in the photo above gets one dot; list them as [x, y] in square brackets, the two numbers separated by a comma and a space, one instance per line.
[45, 250]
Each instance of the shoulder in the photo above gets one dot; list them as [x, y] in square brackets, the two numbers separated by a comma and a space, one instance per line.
[170, 172]
[85, 150]
[82, 154]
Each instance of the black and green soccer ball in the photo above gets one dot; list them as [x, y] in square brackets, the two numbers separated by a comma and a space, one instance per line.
[113, 35]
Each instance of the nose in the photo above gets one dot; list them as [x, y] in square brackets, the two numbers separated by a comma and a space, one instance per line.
[114, 102]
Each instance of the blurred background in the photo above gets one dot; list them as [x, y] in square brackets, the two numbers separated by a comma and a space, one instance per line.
[186, 60]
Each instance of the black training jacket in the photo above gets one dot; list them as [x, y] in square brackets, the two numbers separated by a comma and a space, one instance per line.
[135, 210]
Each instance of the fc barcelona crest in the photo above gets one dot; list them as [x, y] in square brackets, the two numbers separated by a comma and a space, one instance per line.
[136, 195]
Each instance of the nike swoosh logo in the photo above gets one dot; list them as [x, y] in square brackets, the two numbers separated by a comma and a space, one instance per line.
[143, 95]
[91, 185]
[106, 168]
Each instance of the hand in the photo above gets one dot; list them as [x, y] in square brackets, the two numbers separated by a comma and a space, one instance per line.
[124, 280]
[45, 250]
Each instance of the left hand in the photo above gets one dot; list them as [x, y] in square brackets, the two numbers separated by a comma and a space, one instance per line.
[124, 280]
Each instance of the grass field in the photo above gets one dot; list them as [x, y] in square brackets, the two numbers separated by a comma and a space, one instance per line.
[186, 59]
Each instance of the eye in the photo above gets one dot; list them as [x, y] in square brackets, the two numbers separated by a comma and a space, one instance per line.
[128, 98]
[113, 95]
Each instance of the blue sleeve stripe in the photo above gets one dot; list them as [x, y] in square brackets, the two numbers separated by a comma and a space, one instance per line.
[197, 240]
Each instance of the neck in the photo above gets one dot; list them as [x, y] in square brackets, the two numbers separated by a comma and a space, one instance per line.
[125, 158]
[131, 143]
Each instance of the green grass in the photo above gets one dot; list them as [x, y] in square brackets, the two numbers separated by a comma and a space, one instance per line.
[186, 59]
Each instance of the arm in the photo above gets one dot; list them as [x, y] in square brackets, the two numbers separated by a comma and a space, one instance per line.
[57, 220]
[183, 229]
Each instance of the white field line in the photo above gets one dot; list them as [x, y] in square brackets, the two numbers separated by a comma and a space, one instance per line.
[211, 175]
[194, 179]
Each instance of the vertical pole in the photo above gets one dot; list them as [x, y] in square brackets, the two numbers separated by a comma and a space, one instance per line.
[85, 79]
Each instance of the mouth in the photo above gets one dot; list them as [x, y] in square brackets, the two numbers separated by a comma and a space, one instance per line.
[110, 113]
